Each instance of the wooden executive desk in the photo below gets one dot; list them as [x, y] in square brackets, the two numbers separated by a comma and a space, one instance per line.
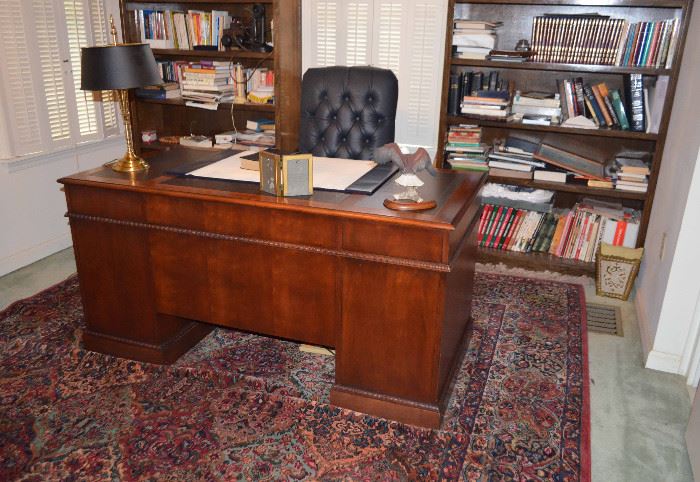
[162, 258]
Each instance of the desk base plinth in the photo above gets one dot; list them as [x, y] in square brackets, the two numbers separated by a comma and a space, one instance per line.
[406, 411]
[164, 353]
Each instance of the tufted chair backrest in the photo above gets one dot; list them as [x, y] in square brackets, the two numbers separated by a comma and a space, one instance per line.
[347, 111]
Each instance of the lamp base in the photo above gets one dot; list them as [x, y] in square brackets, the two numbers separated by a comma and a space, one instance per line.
[130, 163]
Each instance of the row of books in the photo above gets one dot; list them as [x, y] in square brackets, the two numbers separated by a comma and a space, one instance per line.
[576, 104]
[601, 40]
[572, 234]
[595, 101]
[650, 44]
[206, 83]
[167, 29]
[473, 39]
[639, 110]
[539, 108]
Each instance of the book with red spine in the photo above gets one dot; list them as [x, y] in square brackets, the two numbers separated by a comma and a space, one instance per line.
[492, 226]
[482, 222]
[501, 228]
[619, 237]
[497, 227]
[508, 229]
[514, 231]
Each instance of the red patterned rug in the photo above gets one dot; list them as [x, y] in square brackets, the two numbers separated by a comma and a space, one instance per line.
[240, 406]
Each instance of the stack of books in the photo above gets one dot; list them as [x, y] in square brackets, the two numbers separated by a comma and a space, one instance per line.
[485, 96]
[473, 39]
[514, 158]
[167, 29]
[476, 84]
[464, 148]
[206, 84]
[167, 90]
[536, 108]
[632, 171]
[490, 105]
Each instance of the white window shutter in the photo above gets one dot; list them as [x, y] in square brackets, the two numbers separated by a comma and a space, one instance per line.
[76, 14]
[387, 35]
[420, 78]
[20, 93]
[358, 30]
[51, 64]
[100, 36]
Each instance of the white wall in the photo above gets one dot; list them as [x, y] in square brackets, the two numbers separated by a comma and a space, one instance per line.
[32, 206]
[669, 282]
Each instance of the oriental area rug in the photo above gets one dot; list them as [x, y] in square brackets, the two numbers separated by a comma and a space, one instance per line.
[245, 407]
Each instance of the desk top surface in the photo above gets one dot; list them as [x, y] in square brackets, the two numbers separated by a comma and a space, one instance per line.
[453, 191]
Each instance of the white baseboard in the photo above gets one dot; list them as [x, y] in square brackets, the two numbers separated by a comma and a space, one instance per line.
[35, 253]
[655, 360]
[644, 327]
[663, 362]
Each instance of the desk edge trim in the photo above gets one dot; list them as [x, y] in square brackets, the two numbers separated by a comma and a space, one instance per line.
[376, 258]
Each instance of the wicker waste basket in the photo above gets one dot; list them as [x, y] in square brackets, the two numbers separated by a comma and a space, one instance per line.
[616, 269]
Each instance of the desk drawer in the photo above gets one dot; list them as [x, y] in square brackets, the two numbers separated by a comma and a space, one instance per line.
[258, 223]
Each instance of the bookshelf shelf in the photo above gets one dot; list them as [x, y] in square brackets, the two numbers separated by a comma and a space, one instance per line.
[600, 145]
[170, 117]
[587, 3]
[599, 69]
[212, 54]
[222, 106]
[615, 133]
[537, 261]
[132, 4]
[571, 187]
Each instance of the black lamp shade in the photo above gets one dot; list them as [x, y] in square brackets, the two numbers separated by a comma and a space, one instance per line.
[114, 67]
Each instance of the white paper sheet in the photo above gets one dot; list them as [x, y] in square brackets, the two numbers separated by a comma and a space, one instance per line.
[329, 173]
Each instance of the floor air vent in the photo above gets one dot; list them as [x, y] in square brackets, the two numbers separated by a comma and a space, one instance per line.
[604, 319]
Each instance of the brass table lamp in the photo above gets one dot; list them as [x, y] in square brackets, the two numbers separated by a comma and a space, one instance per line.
[120, 67]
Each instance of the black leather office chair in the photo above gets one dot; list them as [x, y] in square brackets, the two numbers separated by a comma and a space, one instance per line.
[347, 111]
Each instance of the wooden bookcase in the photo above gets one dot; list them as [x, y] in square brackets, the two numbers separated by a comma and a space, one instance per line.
[172, 117]
[517, 17]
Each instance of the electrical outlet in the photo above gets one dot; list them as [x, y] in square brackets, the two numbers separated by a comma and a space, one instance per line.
[662, 249]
